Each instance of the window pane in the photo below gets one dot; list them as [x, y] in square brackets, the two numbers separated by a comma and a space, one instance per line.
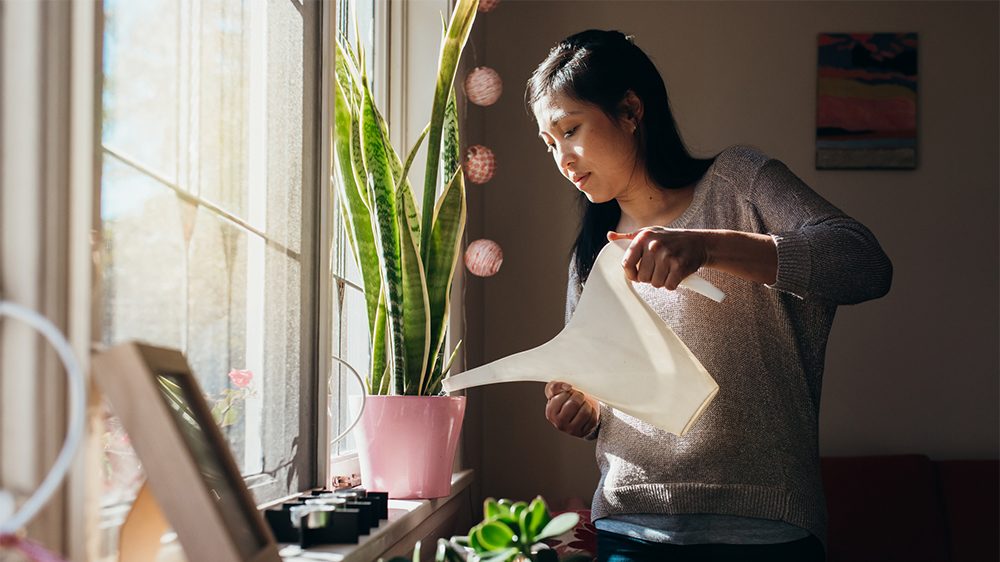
[140, 98]
[223, 66]
[144, 255]
[206, 201]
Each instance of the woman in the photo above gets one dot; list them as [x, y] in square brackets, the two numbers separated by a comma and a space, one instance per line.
[744, 482]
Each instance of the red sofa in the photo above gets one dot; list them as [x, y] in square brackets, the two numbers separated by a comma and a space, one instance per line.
[888, 508]
[907, 507]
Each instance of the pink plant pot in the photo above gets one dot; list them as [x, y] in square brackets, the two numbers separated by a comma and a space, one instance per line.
[406, 444]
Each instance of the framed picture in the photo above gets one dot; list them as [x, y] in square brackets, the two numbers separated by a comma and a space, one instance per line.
[188, 464]
[866, 107]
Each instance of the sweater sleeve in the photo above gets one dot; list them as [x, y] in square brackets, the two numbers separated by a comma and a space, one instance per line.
[822, 252]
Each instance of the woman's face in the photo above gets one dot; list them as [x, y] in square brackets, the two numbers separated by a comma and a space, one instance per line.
[593, 151]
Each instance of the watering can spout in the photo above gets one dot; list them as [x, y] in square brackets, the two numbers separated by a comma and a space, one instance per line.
[617, 350]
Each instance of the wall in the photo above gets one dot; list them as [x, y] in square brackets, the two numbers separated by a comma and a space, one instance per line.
[916, 371]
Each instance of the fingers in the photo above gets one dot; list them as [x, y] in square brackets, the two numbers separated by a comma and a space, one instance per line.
[659, 256]
[570, 411]
[555, 387]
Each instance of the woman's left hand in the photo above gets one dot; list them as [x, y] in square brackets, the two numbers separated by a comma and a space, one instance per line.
[661, 256]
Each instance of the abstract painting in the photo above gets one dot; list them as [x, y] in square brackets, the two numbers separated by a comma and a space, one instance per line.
[866, 108]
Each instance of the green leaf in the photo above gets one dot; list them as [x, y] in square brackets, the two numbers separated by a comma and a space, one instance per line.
[416, 310]
[494, 535]
[379, 365]
[233, 415]
[501, 555]
[559, 525]
[450, 151]
[539, 517]
[357, 218]
[384, 387]
[442, 256]
[515, 511]
[474, 540]
[217, 412]
[491, 509]
[506, 507]
[451, 49]
[386, 228]
[446, 551]
[402, 182]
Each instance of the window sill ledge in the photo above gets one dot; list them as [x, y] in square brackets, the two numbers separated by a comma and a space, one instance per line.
[409, 521]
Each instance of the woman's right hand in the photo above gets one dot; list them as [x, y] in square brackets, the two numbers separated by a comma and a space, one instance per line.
[571, 411]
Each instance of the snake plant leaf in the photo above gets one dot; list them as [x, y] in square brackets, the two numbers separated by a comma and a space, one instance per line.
[347, 73]
[442, 256]
[358, 157]
[450, 152]
[347, 77]
[402, 182]
[435, 384]
[354, 209]
[560, 524]
[386, 229]
[379, 383]
[458, 32]
[416, 309]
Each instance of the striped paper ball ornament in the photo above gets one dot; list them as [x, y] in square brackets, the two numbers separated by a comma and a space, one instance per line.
[483, 86]
[483, 257]
[480, 164]
[487, 5]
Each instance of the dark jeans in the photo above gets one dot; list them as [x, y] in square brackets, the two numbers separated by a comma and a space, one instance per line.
[612, 547]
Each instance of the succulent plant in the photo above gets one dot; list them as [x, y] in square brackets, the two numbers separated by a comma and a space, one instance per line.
[509, 531]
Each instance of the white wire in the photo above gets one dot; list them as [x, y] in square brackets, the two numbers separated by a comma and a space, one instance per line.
[364, 398]
[77, 397]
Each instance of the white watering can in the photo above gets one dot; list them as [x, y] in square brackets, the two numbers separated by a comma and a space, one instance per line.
[617, 350]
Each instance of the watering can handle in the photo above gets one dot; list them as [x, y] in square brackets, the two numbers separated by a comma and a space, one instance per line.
[698, 284]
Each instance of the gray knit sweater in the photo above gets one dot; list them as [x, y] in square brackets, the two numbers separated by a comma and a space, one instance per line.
[754, 451]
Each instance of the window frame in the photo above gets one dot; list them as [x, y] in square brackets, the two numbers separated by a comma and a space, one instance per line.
[310, 421]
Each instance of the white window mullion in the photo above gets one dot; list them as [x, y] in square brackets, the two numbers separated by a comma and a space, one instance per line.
[257, 217]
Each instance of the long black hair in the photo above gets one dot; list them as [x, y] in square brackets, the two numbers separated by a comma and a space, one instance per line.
[600, 68]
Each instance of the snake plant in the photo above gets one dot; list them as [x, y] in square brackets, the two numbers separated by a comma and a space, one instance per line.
[407, 258]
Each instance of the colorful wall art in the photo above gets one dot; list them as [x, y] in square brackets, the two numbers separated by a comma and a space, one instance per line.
[866, 109]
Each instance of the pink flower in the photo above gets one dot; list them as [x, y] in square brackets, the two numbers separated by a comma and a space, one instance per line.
[241, 378]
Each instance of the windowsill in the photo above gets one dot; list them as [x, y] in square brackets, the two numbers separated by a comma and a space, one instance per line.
[405, 516]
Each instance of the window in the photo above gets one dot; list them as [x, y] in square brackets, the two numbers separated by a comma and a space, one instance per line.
[210, 204]
[356, 19]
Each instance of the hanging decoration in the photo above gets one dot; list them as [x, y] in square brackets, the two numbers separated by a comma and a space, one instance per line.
[487, 5]
[481, 164]
[483, 86]
[483, 257]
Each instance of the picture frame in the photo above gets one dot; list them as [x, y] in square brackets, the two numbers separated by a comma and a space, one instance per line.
[188, 464]
[866, 101]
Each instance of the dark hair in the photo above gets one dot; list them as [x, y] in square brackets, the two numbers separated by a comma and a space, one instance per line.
[600, 68]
